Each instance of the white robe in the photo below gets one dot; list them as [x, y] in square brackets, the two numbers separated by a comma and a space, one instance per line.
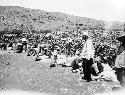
[120, 60]
[88, 50]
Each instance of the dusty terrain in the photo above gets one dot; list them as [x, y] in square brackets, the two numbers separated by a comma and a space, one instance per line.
[21, 72]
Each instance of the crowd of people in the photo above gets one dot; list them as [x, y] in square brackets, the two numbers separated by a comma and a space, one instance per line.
[100, 61]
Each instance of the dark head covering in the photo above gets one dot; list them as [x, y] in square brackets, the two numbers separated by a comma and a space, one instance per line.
[122, 46]
[85, 35]
[121, 39]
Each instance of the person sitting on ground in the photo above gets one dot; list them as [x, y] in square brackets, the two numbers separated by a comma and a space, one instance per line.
[108, 74]
[10, 46]
[19, 47]
[24, 44]
[75, 63]
[54, 57]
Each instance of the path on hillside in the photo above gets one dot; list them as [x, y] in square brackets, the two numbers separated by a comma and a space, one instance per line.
[18, 71]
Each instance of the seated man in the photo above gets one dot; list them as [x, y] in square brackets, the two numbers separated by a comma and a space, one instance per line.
[24, 44]
[54, 57]
[19, 48]
[75, 62]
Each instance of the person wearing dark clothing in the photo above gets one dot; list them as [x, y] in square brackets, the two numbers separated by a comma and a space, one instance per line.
[87, 68]
[120, 61]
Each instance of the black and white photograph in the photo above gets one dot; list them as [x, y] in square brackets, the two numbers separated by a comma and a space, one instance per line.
[62, 47]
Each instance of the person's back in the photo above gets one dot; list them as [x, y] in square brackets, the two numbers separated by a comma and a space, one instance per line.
[121, 49]
[120, 59]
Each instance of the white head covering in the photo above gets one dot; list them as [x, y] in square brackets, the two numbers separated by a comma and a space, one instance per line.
[19, 44]
[48, 34]
[85, 33]
[24, 39]
[69, 40]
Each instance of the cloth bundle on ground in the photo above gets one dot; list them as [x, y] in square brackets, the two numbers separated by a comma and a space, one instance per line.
[9, 48]
[44, 57]
[41, 58]
[61, 59]
[107, 74]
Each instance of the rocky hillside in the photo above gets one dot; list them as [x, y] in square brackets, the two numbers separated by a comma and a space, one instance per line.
[30, 20]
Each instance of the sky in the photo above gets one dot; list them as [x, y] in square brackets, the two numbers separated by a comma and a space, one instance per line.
[109, 10]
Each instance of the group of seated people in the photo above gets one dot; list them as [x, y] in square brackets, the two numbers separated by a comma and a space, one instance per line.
[100, 70]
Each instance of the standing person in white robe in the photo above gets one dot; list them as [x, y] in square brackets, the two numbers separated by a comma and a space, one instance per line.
[87, 55]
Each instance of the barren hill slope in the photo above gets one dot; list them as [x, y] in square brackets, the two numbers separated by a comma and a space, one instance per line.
[14, 17]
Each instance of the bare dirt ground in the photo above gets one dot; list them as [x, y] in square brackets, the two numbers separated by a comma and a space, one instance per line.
[21, 72]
